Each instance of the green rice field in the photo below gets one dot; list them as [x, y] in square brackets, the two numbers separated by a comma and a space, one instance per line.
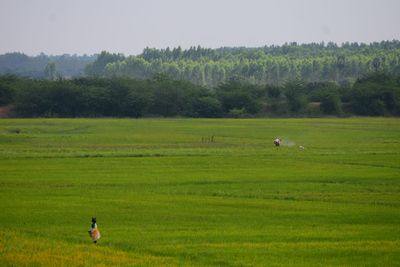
[200, 192]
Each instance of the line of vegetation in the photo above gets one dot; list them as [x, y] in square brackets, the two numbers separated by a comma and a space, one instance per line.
[314, 62]
[377, 94]
[44, 66]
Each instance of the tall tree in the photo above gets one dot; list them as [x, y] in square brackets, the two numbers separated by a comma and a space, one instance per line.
[50, 71]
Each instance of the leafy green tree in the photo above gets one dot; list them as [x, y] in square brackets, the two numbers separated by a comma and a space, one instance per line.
[34, 100]
[295, 96]
[274, 92]
[169, 97]
[7, 92]
[238, 94]
[207, 106]
[50, 71]
[377, 94]
[98, 67]
[330, 103]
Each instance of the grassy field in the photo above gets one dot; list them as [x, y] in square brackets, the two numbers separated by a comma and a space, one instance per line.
[165, 195]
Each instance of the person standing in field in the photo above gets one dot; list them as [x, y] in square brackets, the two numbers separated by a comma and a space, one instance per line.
[94, 231]
[277, 141]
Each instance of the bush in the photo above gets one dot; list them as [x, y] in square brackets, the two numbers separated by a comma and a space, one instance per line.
[295, 96]
[206, 106]
[376, 95]
[6, 94]
[330, 103]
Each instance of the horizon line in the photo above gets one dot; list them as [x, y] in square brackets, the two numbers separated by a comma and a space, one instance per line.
[325, 43]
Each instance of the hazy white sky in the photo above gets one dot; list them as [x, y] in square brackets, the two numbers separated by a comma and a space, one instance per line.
[128, 26]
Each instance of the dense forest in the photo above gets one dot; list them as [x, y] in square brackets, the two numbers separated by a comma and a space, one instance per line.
[314, 62]
[43, 66]
[275, 65]
[377, 94]
[314, 79]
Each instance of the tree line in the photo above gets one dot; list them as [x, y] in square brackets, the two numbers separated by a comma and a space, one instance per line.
[312, 62]
[44, 66]
[376, 94]
[275, 65]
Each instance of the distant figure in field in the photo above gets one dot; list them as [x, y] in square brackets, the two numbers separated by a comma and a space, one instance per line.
[94, 231]
[277, 141]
